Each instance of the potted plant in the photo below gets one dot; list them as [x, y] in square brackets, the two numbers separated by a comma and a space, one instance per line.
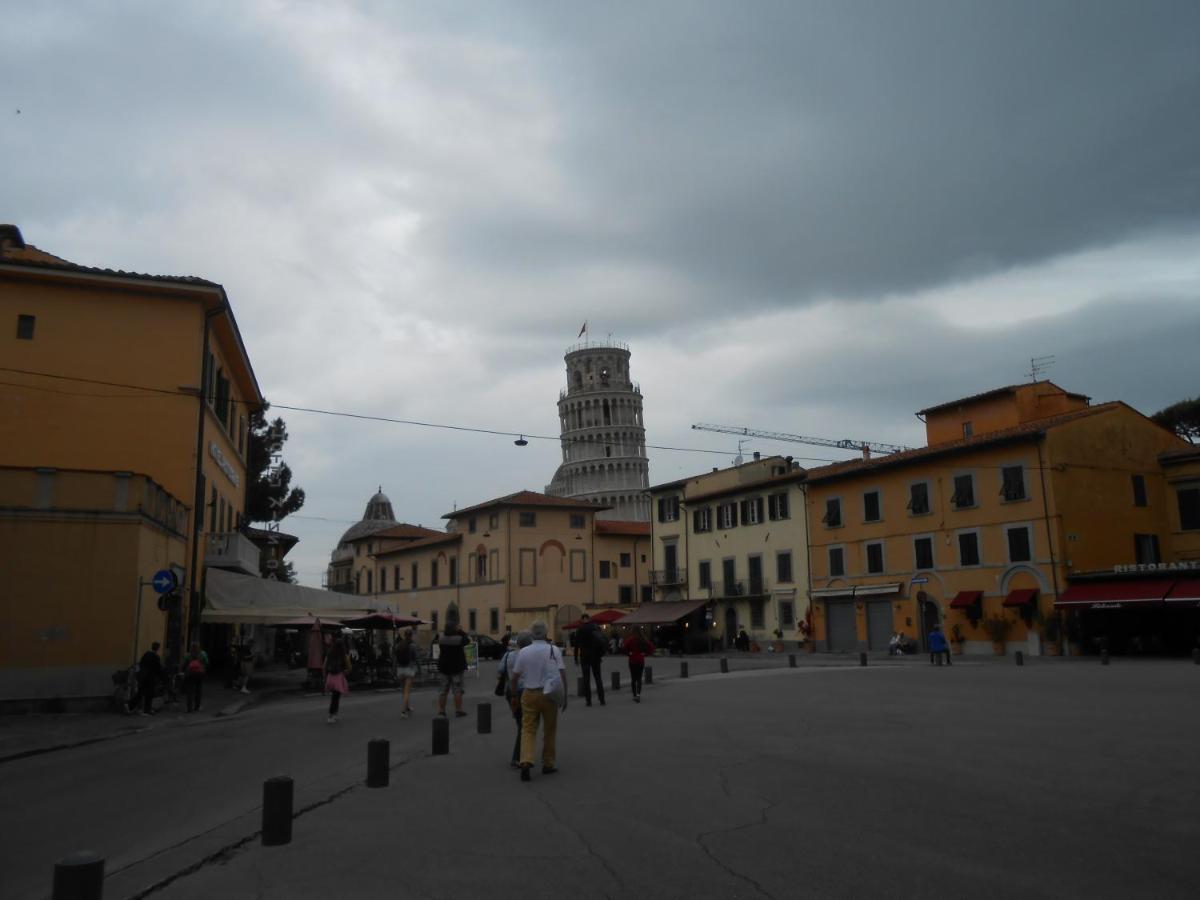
[957, 639]
[1052, 634]
[997, 628]
[805, 629]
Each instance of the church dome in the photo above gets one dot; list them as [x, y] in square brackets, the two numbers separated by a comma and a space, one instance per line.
[377, 517]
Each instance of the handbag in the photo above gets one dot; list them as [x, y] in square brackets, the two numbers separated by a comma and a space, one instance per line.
[553, 688]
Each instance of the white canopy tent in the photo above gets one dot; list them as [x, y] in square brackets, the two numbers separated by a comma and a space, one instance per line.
[230, 598]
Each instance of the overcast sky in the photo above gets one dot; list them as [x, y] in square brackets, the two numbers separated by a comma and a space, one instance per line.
[812, 217]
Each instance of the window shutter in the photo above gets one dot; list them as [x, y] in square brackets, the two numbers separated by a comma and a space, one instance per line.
[696, 527]
[662, 509]
[758, 507]
[745, 510]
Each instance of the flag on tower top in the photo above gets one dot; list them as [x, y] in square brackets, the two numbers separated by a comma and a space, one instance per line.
[583, 330]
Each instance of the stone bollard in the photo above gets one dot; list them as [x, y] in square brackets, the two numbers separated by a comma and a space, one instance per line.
[683, 670]
[862, 659]
[724, 664]
[616, 681]
[791, 660]
[79, 876]
[1104, 657]
[377, 762]
[441, 735]
[277, 811]
[483, 717]
[1019, 658]
[650, 670]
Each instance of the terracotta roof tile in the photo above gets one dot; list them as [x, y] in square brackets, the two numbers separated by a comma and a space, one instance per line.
[404, 530]
[441, 537]
[1017, 432]
[528, 498]
[30, 257]
[994, 392]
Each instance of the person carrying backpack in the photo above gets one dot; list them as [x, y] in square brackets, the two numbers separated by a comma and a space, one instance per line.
[637, 648]
[195, 667]
[592, 644]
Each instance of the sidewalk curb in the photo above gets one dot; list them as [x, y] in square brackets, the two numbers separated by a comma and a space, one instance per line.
[53, 748]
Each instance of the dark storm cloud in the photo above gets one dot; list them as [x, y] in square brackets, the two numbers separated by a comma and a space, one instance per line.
[785, 151]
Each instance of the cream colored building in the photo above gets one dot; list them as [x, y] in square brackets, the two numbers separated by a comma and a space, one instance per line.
[735, 539]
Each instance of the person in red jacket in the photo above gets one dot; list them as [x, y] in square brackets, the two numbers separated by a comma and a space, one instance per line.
[637, 648]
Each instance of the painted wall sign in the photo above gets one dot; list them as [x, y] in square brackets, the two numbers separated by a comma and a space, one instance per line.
[222, 463]
[1184, 566]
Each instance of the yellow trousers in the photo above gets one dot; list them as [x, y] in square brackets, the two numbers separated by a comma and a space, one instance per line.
[535, 706]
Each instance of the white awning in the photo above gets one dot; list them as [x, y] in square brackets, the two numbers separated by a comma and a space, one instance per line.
[839, 593]
[878, 590]
[230, 598]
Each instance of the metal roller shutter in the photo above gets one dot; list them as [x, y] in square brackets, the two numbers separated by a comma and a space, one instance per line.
[843, 635]
[879, 624]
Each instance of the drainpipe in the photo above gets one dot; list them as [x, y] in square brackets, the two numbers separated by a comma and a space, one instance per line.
[812, 637]
[1046, 516]
[194, 590]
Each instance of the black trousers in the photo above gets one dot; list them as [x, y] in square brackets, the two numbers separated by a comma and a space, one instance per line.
[591, 665]
[516, 756]
[935, 657]
[635, 677]
[193, 684]
[144, 695]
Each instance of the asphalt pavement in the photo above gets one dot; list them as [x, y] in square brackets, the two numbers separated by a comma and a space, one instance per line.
[829, 780]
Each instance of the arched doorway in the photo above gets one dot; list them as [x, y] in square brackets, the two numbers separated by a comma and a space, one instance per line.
[730, 625]
[930, 615]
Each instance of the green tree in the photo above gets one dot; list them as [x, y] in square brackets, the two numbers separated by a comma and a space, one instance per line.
[1183, 418]
[270, 495]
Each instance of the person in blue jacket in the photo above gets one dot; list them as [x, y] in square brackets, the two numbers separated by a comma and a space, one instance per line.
[938, 646]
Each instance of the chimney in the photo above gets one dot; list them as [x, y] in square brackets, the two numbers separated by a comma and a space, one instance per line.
[10, 238]
[757, 456]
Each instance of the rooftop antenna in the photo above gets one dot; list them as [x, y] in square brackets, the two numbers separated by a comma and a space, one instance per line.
[1038, 365]
[738, 460]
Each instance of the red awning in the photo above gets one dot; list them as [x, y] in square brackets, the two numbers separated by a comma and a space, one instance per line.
[963, 599]
[1020, 597]
[1114, 594]
[1186, 591]
[607, 616]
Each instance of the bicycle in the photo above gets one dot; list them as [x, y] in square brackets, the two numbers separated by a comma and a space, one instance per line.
[124, 688]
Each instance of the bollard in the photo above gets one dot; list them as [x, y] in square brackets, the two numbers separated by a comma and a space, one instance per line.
[441, 735]
[792, 660]
[724, 664]
[862, 659]
[377, 763]
[579, 683]
[683, 670]
[616, 681]
[277, 811]
[1019, 658]
[650, 669]
[1104, 657]
[79, 876]
[483, 718]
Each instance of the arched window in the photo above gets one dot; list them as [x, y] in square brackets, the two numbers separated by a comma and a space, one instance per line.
[578, 379]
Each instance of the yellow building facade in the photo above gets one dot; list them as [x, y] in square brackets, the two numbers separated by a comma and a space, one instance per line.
[113, 382]
[1020, 493]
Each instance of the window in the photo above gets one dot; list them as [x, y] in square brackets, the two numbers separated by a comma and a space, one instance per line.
[494, 520]
[480, 568]
[1189, 508]
[1012, 483]
[414, 583]
[777, 506]
[222, 405]
[702, 520]
[433, 573]
[729, 574]
[918, 498]
[968, 549]
[668, 509]
[875, 558]
[576, 520]
[494, 565]
[1139, 490]
[579, 565]
[471, 621]
[964, 491]
[837, 561]
[626, 560]
[527, 519]
[1018, 544]
[871, 506]
[471, 525]
[968, 429]
[626, 593]
[647, 593]
[433, 619]
[242, 435]
[396, 578]
[752, 511]
[705, 574]
[727, 515]
[454, 570]
[783, 567]
[923, 552]
[1146, 548]
[833, 512]
[787, 614]
[370, 589]
[212, 516]
[605, 569]
[757, 617]
[493, 620]
[25, 326]
[221, 512]
[383, 581]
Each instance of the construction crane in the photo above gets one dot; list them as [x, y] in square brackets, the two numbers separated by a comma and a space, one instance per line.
[866, 447]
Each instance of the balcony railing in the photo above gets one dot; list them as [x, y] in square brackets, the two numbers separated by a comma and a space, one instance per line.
[627, 387]
[755, 587]
[232, 550]
[663, 577]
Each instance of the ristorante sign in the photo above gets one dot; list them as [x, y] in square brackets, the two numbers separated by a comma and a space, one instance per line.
[1184, 566]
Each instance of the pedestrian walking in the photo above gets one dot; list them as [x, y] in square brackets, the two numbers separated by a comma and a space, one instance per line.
[149, 674]
[512, 688]
[246, 665]
[452, 663]
[195, 667]
[406, 667]
[637, 648]
[541, 675]
[592, 644]
[337, 667]
[938, 646]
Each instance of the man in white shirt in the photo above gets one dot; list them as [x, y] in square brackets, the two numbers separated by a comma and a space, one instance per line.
[531, 667]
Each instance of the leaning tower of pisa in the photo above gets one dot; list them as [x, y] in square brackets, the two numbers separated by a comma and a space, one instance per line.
[603, 434]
